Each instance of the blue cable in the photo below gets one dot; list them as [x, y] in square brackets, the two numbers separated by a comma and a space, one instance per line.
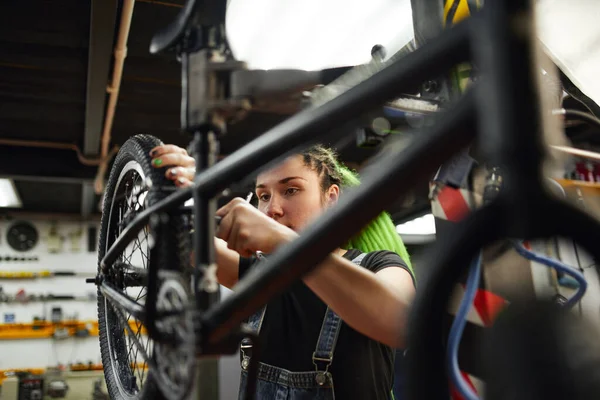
[458, 326]
[471, 286]
[557, 265]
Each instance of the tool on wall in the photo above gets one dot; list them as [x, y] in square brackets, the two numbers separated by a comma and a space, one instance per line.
[11, 258]
[54, 241]
[75, 240]
[92, 237]
[42, 274]
[22, 297]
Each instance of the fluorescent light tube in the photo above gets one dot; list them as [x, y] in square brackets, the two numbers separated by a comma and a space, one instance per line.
[8, 194]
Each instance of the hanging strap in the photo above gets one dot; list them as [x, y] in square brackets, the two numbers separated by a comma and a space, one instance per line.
[323, 354]
[254, 323]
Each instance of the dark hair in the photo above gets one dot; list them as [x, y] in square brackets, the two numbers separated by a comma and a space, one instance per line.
[380, 233]
[323, 161]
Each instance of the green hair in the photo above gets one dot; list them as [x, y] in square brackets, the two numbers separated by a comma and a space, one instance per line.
[380, 233]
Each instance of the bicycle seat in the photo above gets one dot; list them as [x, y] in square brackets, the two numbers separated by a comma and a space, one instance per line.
[200, 12]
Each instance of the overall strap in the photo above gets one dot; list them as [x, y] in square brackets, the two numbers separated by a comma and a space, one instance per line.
[255, 320]
[323, 355]
[254, 323]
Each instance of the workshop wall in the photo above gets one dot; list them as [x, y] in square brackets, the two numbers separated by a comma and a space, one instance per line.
[31, 247]
[60, 246]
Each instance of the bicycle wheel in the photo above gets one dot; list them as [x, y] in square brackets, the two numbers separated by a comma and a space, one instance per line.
[132, 186]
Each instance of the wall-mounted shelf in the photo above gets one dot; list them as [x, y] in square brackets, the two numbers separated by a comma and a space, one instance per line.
[592, 188]
[5, 373]
[47, 330]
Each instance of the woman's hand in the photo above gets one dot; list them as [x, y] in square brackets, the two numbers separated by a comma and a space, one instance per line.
[180, 167]
[247, 230]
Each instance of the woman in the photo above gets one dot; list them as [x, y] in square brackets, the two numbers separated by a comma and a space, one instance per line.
[306, 346]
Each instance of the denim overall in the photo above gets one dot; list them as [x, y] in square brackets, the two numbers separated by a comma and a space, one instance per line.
[279, 384]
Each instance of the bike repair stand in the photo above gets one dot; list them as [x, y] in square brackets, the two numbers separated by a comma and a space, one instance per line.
[205, 111]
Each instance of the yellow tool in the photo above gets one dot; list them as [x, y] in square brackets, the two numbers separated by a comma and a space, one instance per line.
[41, 274]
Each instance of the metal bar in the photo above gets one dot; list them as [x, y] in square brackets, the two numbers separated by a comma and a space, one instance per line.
[207, 377]
[578, 152]
[35, 163]
[425, 330]
[432, 59]
[509, 104]
[123, 301]
[426, 379]
[204, 225]
[454, 130]
[157, 231]
[102, 22]
[510, 127]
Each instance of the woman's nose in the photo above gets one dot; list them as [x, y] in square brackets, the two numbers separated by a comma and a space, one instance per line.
[274, 209]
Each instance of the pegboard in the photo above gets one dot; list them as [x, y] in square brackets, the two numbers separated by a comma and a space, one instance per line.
[60, 246]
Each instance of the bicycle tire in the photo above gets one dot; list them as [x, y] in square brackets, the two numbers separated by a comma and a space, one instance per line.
[134, 156]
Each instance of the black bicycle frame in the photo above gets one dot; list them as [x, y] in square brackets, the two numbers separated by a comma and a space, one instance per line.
[297, 132]
[502, 106]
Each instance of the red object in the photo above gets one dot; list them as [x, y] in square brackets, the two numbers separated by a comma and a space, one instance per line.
[597, 172]
[21, 296]
[590, 175]
[453, 203]
[488, 305]
[586, 171]
[581, 171]
[455, 394]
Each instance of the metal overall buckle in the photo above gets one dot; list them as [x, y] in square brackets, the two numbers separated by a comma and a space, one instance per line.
[322, 375]
[245, 358]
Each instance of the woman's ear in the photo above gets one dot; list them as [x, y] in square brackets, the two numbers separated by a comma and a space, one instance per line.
[333, 194]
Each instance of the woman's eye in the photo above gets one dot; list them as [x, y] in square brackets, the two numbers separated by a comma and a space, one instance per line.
[291, 191]
[263, 197]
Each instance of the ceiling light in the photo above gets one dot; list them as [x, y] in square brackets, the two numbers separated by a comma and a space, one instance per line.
[424, 225]
[8, 194]
[315, 34]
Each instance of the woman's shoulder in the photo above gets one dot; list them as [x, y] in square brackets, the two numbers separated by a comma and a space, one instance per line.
[377, 260]
[377, 255]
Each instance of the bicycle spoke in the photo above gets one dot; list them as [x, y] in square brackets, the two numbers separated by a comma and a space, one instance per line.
[132, 351]
[128, 202]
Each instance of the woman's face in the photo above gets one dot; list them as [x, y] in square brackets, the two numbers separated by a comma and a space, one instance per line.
[291, 193]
